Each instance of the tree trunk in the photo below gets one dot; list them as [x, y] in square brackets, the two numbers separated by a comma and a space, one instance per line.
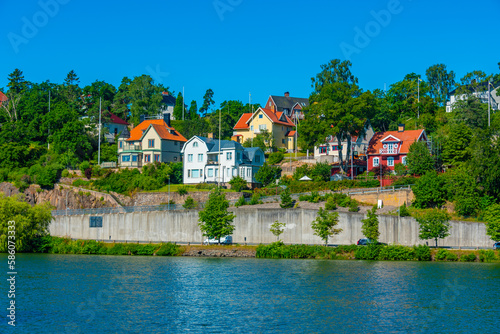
[436, 242]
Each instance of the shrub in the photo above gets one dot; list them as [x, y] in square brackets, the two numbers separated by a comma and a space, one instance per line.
[353, 206]
[84, 166]
[65, 173]
[238, 183]
[330, 204]
[397, 253]
[241, 201]
[422, 252]
[189, 203]
[451, 257]
[286, 199]
[182, 190]
[275, 158]
[468, 257]
[255, 199]
[370, 252]
[403, 211]
[442, 254]
[487, 255]
[168, 249]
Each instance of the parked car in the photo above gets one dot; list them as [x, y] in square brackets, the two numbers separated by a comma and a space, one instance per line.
[367, 241]
[227, 240]
[496, 245]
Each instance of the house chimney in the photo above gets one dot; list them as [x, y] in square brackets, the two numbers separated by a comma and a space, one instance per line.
[287, 94]
[142, 118]
[210, 135]
[166, 118]
[401, 127]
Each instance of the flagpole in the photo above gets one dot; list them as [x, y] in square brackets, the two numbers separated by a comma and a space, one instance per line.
[99, 138]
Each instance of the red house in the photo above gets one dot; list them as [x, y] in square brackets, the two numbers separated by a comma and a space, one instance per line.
[391, 147]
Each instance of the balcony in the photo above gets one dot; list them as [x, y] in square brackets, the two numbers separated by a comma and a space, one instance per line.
[388, 151]
[131, 147]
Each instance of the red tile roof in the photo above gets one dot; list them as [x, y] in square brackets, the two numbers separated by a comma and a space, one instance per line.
[275, 117]
[291, 133]
[117, 120]
[242, 122]
[406, 137]
[3, 97]
[160, 127]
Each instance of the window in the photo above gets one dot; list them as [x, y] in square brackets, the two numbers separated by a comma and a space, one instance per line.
[200, 157]
[227, 172]
[262, 127]
[95, 221]
[121, 144]
[157, 157]
[201, 172]
[134, 158]
[375, 162]
[281, 128]
[176, 143]
[322, 149]
[289, 139]
[216, 172]
[242, 172]
[151, 143]
[260, 116]
[282, 141]
[390, 161]
[403, 160]
[189, 172]
[195, 173]
[229, 156]
[248, 172]
[190, 158]
[235, 172]
[270, 103]
[175, 158]
[251, 127]
[195, 144]
[116, 131]
[210, 172]
[125, 158]
[257, 158]
[147, 158]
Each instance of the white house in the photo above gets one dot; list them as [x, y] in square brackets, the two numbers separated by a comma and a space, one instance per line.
[329, 151]
[201, 161]
[168, 105]
[481, 92]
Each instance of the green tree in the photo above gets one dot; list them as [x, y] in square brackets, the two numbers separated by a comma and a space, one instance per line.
[208, 101]
[463, 190]
[492, 218]
[286, 199]
[123, 99]
[189, 203]
[16, 81]
[370, 225]
[238, 183]
[441, 82]
[31, 223]
[91, 95]
[215, 219]
[324, 224]
[419, 159]
[71, 91]
[193, 110]
[455, 148]
[267, 174]
[429, 191]
[179, 105]
[145, 97]
[434, 224]
[277, 229]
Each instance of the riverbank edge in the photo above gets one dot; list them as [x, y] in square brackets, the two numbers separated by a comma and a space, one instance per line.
[276, 250]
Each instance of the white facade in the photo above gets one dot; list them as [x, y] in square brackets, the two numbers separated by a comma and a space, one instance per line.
[330, 150]
[494, 99]
[201, 161]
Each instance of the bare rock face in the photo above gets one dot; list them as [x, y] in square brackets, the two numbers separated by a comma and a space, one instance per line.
[8, 189]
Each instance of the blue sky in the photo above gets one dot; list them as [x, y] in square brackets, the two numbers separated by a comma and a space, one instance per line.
[239, 46]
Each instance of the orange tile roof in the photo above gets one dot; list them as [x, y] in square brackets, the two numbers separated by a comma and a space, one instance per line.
[242, 122]
[275, 117]
[161, 128]
[407, 137]
[291, 133]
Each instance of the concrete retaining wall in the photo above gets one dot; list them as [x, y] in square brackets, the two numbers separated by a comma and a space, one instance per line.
[253, 224]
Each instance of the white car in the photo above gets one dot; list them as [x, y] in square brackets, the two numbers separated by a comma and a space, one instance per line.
[227, 240]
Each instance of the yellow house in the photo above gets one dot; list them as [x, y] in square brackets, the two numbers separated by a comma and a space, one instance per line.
[276, 122]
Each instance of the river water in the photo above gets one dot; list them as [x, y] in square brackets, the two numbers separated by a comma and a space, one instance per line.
[121, 294]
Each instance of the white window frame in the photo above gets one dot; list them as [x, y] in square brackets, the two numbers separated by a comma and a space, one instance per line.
[262, 127]
[376, 162]
[200, 157]
[229, 155]
[403, 160]
[390, 161]
[195, 144]
[210, 172]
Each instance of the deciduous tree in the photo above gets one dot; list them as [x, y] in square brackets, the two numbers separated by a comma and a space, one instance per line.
[324, 224]
[370, 225]
[215, 219]
[434, 225]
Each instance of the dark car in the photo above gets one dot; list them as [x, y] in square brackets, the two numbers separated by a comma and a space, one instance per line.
[496, 245]
[367, 241]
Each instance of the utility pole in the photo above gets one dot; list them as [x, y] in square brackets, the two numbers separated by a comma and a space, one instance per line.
[99, 138]
[48, 143]
[489, 102]
[219, 154]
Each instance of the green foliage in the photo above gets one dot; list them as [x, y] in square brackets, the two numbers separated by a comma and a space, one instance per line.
[419, 159]
[455, 148]
[182, 190]
[429, 191]
[462, 189]
[65, 173]
[317, 172]
[286, 199]
[468, 258]
[400, 169]
[324, 224]
[241, 201]
[370, 224]
[422, 252]
[434, 224]
[267, 174]
[446, 255]
[278, 250]
[492, 218]
[275, 158]
[330, 204]
[396, 253]
[30, 223]
[403, 211]
[370, 252]
[238, 183]
[189, 203]
[487, 255]
[84, 166]
[353, 206]
[277, 229]
[255, 199]
[215, 219]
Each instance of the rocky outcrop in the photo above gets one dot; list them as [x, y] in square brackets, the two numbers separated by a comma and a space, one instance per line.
[217, 252]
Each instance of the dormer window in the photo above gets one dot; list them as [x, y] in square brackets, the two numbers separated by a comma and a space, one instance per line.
[195, 144]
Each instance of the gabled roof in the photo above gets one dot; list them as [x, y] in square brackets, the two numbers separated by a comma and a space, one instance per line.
[407, 138]
[287, 102]
[117, 120]
[291, 133]
[137, 132]
[168, 99]
[242, 122]
[275, 118]
[3, 97]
